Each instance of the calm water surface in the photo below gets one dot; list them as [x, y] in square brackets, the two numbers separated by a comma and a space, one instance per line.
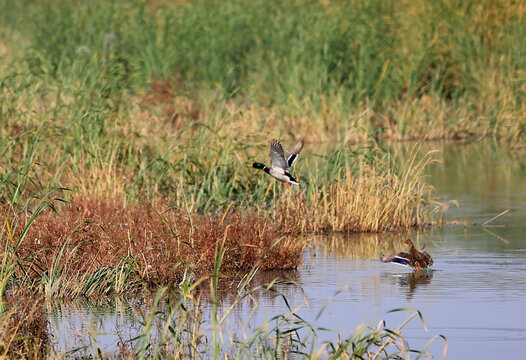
[475, 295]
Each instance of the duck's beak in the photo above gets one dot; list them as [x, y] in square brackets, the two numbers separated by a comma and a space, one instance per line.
[250, 165]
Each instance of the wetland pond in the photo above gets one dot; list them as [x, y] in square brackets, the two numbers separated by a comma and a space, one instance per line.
[475, 294]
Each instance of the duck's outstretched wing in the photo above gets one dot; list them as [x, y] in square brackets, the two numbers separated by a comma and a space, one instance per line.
[399, 259]
[293, 156]
[278, 156]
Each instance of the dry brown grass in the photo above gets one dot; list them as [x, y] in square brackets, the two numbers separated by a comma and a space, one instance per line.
[163, 242]
[371, 201]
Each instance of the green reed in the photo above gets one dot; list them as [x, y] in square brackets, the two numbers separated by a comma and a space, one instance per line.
[79, 108]
[329, 61]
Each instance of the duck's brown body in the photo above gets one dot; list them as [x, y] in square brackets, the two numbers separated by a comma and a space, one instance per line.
[418, 259]
[415, 259]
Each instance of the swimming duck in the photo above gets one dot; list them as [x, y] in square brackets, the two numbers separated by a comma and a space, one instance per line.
[281, 165]
[415, 259]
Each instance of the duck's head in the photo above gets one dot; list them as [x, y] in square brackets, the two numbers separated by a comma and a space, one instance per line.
[408, 242]
[257, 165]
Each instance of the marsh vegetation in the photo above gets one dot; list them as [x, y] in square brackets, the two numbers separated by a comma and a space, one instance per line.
[125, 128]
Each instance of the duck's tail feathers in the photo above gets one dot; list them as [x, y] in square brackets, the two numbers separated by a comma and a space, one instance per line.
[290, 179]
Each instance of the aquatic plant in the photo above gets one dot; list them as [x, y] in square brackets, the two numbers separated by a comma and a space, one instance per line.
[175, 326]
[23, 327]
[186, 322]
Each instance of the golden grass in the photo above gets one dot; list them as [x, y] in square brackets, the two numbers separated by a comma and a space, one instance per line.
[140, 152]
[373, 200]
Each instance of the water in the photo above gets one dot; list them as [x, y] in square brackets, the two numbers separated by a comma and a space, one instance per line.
[474, 296]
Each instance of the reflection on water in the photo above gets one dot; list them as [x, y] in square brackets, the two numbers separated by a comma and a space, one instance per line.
[372, 246]
[359, 246]
[474, 294]
[82, 326]
[411, 280]
[484, 177]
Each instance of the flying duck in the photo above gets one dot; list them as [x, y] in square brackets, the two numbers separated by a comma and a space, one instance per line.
[281, 165]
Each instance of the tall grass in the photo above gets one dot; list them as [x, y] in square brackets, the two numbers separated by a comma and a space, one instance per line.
[130, 99]
[399, 69]
[57, 246]
[375, 196]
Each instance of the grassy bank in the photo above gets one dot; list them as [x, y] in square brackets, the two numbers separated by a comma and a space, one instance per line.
[90, 245]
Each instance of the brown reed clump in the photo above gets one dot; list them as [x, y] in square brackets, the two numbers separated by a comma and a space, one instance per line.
[90, 234]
